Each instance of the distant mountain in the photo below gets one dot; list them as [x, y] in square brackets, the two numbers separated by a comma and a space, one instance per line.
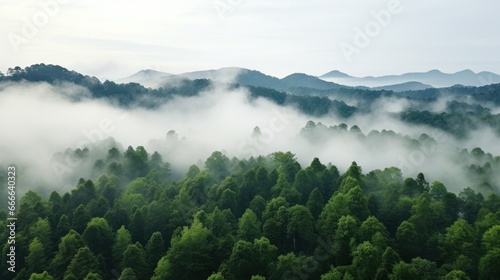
[240, 76]
[404, 87]
[306, 83]
[148, 78]
[335, 74]
[434, 78]
[133, 94]
[255, 78]
[237, 75]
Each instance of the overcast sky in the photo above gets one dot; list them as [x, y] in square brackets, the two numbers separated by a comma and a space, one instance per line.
[114, 39]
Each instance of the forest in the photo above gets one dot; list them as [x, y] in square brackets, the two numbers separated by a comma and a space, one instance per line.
[345, 183]
[258, 218]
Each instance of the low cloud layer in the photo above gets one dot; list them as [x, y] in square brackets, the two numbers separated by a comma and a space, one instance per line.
[42, 120]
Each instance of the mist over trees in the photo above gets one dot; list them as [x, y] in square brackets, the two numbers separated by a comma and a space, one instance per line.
[197, 182]
[266, 217]
[458, 116]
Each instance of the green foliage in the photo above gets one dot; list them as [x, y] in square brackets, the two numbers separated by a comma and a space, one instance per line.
[41, 276]
[162, 270]
[300, 227]
[93, 276]
[406, 240]
[190, 253]
[257, 218]
[99, 237]
[218, 165]
[275, 218]
[489, 265]
[80, 219]
[247, 258]
[370, 227]
[43, 232]
[286, 265]
[155, 249]
[68, 247]
[287, 164]
[456, 275]
[418, 269]
[358, 204]
[122, 240]
[249, 226]
[460, 239]
[216, 276]
[315, 202]
[348, 183]
[389, 259]
[366, 258]
[37, 260]
[491, 238]
[83, 263]
[31, 208]
[135, 258]
[127, 274]
[344, 238]
[337, 206]
[332, 275]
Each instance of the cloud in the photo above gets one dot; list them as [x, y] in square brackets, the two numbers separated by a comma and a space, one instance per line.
[42, 120]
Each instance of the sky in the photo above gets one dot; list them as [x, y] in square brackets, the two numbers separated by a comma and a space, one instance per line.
[114, 39]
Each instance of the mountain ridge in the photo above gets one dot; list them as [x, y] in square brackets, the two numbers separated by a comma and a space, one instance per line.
[334, 79]
[434, 78]
[243, 76]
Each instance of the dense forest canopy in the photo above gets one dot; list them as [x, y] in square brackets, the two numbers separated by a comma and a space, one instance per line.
[256, 218]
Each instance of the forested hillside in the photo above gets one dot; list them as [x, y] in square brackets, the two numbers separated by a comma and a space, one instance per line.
[465, 110]
[256, 218]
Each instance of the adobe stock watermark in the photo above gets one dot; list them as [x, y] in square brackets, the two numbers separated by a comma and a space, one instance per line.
[92, 137]
[277, 123]
[222, 7]
[363, 36]
[47, 10]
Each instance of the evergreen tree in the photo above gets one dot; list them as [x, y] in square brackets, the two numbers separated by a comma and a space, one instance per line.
[489, 265]
[315, 202]
[127, 274]
[135, 258]
[99, 237]
[83, 263]
[122, 240]
[406, 240]
[190, 253]
[42, 230]
[68, 248]
[337, 206]
[80, 219]
[300, 227]
[249, 226]
[93, 276]
[37, 259]
[63, 227]
[42, 276]
[366, 259]
[155, 249]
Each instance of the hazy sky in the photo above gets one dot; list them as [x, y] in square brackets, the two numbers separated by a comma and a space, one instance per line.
[114, 39]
